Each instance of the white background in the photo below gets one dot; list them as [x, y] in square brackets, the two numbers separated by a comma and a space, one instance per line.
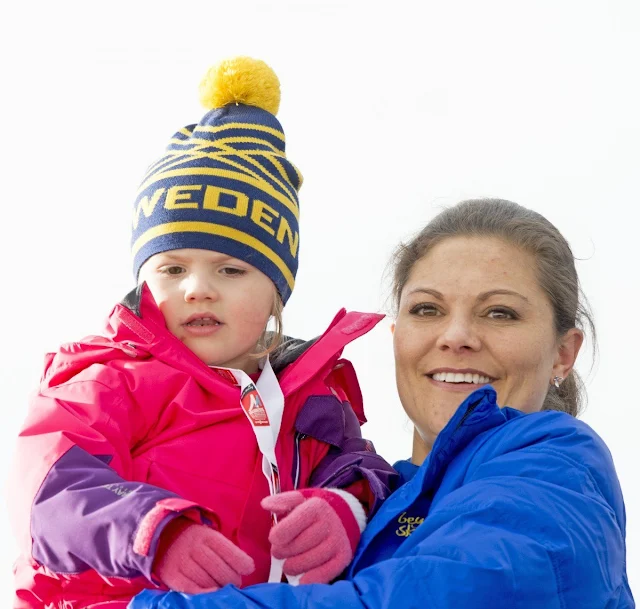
[392, 110]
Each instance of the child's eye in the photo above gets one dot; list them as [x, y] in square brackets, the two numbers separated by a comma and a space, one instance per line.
[502, 313]
[172, 270]
[424, 310]
[232, 271]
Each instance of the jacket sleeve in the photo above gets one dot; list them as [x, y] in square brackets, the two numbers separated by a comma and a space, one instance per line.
[352, 463]
[530, 528]
[76, 505]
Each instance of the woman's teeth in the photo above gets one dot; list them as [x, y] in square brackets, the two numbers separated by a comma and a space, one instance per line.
[459, 377]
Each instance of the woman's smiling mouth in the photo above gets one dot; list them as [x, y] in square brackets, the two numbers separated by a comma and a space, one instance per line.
[462, 378]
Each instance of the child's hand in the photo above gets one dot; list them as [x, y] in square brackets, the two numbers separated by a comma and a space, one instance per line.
[194, 558]
[317, 532]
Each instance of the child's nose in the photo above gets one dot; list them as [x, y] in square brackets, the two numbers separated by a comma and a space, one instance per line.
[199, 288]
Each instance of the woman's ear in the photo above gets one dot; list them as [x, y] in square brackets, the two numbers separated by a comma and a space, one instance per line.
[568, 349]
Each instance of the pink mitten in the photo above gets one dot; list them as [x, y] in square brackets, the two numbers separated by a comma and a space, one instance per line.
[194, 558]
[317, 532]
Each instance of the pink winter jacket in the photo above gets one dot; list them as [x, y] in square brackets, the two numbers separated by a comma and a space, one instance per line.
[130, 430]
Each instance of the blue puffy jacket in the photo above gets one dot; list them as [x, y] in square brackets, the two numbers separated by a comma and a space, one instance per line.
[510, 510]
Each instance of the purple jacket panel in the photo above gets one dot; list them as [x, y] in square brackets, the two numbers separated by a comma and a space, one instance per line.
[85, 516]
[351, 458]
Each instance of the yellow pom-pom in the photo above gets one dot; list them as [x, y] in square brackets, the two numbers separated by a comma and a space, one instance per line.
[241, 80]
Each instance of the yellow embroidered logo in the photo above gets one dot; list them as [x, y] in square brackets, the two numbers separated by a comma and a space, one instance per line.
[407, 524]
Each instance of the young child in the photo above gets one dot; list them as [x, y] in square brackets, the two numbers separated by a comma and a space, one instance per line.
[148, 450]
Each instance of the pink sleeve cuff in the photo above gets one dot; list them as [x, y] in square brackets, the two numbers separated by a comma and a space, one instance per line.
[356, 507]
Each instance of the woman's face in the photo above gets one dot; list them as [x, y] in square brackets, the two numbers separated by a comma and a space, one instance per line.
[471, 313]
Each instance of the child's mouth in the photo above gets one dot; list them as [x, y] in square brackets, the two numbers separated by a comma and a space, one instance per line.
[204, 321]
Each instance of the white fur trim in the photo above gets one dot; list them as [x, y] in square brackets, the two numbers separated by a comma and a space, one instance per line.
[354, 504]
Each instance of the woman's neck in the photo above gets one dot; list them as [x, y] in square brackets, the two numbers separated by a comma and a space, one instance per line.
[420, 448]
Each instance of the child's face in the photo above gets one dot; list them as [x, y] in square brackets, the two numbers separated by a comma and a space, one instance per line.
[216, 305]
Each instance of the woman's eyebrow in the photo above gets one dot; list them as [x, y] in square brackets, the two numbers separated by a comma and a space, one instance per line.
[486, 295]
[431, 291]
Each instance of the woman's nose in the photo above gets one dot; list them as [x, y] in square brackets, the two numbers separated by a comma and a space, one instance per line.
[197, 287]
[458, 335]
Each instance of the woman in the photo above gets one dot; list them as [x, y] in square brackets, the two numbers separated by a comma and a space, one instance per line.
[508, 500]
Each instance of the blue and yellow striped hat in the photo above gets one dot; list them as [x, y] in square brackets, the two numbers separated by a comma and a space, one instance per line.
[226, 184]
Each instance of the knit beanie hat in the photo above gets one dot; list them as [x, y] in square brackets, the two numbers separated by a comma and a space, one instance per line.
[226, 184]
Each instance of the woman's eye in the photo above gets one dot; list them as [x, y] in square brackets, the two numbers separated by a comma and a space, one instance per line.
[424, 310]
[502, 314]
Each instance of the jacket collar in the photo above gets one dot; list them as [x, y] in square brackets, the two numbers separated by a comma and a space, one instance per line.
[477, 413]
[140, 304]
